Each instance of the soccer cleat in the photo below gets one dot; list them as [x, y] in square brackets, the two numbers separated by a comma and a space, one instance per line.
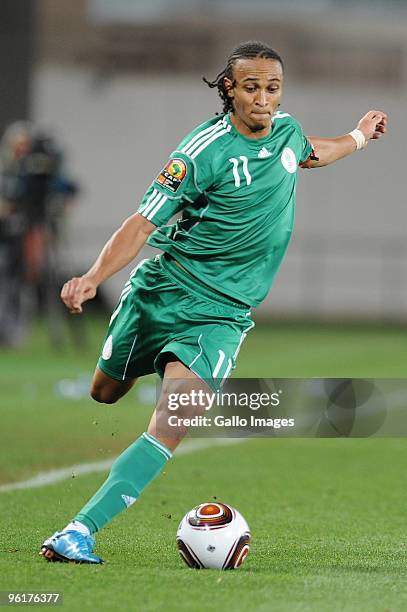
[70, 547]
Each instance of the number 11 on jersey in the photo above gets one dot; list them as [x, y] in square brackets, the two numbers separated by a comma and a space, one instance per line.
[236, 170]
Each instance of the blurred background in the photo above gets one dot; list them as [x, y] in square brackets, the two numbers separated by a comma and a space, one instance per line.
[110, 88]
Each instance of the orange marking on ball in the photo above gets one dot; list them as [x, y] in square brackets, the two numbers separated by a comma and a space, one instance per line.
[209, 509]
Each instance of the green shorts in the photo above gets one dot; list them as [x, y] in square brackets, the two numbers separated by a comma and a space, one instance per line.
[163, 310]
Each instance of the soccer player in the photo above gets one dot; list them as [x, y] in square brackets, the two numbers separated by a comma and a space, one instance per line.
[185, 313]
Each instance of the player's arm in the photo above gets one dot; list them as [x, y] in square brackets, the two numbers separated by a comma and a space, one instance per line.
[119, 251]
[328, 150]
[173, 188]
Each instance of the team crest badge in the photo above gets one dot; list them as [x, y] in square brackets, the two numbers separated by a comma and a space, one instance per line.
[173, 174]
[108, 348]
[289, 160]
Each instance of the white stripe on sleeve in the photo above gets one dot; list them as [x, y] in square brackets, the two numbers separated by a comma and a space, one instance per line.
[208, 142]
[150, 197]
[153, 202]
[199, 135]
[189, 150]
[155, 210]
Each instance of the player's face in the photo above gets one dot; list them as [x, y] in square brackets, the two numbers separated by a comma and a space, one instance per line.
[256, 92]
[21, 145]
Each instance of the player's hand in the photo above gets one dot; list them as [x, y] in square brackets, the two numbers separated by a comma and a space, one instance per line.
[373, 125]
[77, 291]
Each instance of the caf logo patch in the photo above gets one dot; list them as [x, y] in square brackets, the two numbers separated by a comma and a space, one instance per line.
[173, 174]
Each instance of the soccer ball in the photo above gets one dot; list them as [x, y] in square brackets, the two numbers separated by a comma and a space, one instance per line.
[213, 536]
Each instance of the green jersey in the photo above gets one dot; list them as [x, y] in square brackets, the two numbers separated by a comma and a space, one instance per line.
[237, 197]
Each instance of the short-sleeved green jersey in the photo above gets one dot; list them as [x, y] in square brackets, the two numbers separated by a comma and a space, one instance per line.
[237, 197]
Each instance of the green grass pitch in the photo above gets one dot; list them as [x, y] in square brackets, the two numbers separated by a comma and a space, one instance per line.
[328, 517]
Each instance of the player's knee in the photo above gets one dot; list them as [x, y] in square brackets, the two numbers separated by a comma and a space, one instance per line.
[103, 395]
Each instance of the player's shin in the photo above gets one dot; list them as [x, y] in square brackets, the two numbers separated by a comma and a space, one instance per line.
[131, 472]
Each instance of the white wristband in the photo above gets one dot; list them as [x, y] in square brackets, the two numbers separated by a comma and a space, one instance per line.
[359, 138]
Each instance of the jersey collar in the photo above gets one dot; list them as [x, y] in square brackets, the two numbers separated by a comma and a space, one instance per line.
[254, 143]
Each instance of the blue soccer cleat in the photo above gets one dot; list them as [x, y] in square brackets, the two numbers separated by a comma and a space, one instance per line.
[70, 547]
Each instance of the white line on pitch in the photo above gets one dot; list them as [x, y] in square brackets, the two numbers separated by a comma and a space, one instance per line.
[52, 476]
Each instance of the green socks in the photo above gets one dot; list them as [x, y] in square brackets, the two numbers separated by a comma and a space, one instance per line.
[132, 471]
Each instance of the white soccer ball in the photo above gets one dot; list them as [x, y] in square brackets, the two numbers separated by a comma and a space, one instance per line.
[213, 536]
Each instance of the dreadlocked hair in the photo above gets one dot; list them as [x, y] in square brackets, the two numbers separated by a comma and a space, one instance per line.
[248, 50]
